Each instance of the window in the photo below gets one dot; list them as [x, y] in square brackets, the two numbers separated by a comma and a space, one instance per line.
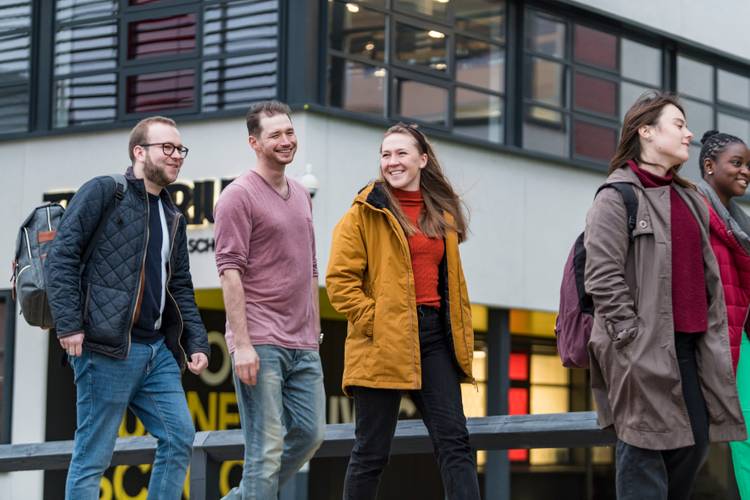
[115, 61]
[714, 98]
[474, 396]
[15, 57]
[538, 384]
[437, 63]
[579, 82]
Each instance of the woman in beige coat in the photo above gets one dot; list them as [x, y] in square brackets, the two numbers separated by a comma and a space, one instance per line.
[661, 368]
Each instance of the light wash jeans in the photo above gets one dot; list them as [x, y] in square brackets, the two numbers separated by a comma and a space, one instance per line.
[282, 417]
[149, 381]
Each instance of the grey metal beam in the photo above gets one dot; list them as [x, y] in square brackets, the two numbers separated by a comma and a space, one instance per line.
[561, 430]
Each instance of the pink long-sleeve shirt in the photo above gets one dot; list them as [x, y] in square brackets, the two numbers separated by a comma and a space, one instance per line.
[270, 241]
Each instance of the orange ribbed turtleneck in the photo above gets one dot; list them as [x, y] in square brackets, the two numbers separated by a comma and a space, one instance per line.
[426, 253]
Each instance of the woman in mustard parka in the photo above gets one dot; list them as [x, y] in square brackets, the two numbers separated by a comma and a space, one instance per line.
[395, 273]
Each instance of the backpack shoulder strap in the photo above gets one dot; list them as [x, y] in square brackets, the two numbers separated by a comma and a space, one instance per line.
[629, 198]
[121, 186]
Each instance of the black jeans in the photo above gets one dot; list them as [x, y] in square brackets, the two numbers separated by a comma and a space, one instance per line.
[439, 402]
[668, 474]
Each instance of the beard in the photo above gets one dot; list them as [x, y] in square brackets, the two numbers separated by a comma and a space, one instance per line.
[155, 174]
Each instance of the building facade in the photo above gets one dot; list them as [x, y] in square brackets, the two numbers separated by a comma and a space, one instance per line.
[522, 99]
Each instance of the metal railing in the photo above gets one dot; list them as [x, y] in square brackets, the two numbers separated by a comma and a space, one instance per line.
[210, 448]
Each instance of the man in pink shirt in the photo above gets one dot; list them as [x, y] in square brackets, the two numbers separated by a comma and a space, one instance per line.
[265, 255]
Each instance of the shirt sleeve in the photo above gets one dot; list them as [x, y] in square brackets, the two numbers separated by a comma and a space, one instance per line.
[233, 226]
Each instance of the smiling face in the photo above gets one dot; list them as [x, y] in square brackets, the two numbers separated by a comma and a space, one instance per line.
[156, 167]
[667, 142]
[401, 162]
[277, 142]
[729, 174]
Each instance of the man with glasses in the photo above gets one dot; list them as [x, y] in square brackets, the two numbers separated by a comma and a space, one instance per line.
[125, 312]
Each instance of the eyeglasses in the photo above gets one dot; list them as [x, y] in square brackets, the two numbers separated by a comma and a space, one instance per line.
[168, 148]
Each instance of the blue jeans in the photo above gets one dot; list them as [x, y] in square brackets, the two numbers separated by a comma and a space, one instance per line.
[149, 381]
[282, 417]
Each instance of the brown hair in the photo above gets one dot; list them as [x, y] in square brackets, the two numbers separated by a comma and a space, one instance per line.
[437, 193]
[264, 108]
[645, 111]
[139, 134]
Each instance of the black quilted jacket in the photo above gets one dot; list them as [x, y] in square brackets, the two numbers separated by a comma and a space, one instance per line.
[103, 299]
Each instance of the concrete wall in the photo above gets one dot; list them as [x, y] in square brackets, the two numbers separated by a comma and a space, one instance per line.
[720, 24]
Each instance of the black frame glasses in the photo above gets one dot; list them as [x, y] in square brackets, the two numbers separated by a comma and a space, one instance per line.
[168, 148]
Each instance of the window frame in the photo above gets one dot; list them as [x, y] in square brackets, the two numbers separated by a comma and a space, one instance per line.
[43, 81]
[28, 83]
[6, 408]
[570, 112]
[396, 70]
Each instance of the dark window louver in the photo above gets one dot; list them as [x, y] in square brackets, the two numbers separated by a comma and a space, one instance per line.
[114, 61]
[15, 56]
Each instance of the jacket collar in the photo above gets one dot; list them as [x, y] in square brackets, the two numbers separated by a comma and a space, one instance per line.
[625, 174]
[373, 194]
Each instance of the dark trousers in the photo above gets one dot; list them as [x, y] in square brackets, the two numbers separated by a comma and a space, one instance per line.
[668, 474]
[439, 402]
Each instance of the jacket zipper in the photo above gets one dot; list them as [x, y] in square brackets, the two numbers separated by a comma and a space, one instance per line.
[139, 290]
[405, 251]
[166, 286]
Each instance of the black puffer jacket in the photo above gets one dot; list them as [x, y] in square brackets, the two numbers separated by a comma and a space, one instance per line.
[103, 299]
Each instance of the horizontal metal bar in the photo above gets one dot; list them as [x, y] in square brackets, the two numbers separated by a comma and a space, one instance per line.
[559, 430]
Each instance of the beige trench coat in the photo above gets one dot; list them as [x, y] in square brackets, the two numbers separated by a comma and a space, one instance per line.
[635, 377]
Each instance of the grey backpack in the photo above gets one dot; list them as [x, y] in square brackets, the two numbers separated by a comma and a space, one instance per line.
[29, 284]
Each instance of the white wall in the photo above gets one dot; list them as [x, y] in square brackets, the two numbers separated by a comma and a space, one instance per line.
[720, 24]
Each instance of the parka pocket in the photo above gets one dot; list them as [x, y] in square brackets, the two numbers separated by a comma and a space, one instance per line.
[623, 332]
[365, 325]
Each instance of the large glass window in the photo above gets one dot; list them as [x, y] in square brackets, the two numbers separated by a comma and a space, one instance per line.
[114, 61]
[438, 63]
[539, 384]
[714, 98]
[579, 81]
[15, 57]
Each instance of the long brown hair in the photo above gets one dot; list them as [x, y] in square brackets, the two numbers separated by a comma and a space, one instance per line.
[437, 193]
[645, 111]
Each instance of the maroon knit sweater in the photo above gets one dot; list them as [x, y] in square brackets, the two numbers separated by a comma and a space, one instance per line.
[689, 300]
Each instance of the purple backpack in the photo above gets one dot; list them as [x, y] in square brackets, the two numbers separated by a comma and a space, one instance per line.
[576, 313]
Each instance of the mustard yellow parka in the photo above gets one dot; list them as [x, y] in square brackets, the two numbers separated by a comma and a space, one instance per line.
[370, 281]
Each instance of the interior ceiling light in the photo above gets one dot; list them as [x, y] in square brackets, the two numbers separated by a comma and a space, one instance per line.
[352, 7]
[369, 46]
[436, 34]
